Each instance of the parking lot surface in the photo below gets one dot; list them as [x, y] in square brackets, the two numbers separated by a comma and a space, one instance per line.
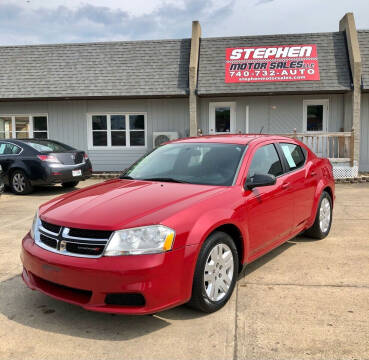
[304, 300]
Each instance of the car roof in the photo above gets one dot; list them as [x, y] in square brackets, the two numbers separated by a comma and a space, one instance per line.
[240, 139]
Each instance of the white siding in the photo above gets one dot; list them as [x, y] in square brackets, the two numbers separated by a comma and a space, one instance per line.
[68, 123]
[275, 114]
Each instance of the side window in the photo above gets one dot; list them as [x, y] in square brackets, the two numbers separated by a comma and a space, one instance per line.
[294, 155]
[2, 148]
[9, 149]
[265, 161]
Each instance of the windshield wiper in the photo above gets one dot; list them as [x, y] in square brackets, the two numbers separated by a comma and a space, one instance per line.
[126, 177]
[166, 179]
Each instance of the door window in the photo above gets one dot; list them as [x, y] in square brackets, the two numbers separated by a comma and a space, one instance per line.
[266, 161]
[315, 115]
[294, 155]
[222, 117]
[9, 149]
[314, 118]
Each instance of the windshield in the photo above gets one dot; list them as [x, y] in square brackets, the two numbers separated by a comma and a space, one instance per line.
[195, 163]
[48, 146]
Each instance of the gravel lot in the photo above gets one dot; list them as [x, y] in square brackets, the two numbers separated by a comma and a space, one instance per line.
[305, 300]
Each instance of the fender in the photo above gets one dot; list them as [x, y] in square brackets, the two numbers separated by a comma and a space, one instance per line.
[318, 192]
[212, 220]
[204, 226]
[18, 165]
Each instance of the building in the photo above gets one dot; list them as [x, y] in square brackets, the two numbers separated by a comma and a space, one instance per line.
[113, 99]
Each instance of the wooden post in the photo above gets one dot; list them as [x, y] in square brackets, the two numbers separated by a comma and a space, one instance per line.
[352, 147]
[341, 147]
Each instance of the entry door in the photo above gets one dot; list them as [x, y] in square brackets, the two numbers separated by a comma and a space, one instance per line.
[316, 113]
[222, 117]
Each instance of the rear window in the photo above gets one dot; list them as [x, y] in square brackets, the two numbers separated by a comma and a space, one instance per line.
[48, 146]
[294, 155]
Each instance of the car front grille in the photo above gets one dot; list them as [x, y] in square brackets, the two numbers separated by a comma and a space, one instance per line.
[51, 227]
[72, 241]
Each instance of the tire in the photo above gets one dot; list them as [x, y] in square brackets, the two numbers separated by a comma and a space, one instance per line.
[19, 183]
[323, 218]
[70, 184]
[208, 296]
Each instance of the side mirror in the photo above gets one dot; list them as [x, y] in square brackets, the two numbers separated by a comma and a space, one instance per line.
[259, 180]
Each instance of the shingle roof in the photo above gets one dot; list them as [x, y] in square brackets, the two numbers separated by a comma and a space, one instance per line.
[332, 54]
[363, 36]
[134, 68]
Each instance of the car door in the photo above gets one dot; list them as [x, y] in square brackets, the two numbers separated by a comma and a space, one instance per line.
[302, 179]
[8, 154]
[269, 208]
[5, 161]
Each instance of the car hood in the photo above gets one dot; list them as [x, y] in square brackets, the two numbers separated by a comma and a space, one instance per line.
[119, 203]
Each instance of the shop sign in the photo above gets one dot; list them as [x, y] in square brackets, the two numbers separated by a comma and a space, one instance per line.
[271, 64]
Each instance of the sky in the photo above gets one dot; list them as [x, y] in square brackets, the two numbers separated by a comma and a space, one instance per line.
[63, 21]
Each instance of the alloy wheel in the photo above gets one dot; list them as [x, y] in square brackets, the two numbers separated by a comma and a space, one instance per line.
[324, 215]
[19, 182]
[219, 272]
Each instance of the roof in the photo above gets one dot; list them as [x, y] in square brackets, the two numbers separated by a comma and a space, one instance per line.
[333, 58]
[363, 36]
[240, 139]
[130, 68]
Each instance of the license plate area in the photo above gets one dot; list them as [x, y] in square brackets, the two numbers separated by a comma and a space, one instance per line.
[77, 172]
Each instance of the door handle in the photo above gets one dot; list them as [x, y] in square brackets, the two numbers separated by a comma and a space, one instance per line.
[313, 173]
[285, 186]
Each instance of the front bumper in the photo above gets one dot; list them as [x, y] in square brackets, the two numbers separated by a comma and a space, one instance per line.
[164, 280]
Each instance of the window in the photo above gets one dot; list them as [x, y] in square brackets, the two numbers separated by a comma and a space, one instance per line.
[222, 117]
[195, 163]
[23, 126]
[22, 129]
[314, 118]
[9, 149]
[40, 127]
[118, 130]
[315, 115]
[6, 129]
[49, 146]
[294, 155]
[265, 161]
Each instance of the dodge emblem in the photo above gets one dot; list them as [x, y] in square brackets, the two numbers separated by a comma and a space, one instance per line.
[63, 246]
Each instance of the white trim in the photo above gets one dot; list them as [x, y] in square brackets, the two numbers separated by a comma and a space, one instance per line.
[247, 121]
[108, 126]
[30, 119]
[232, 125]
[325, 103]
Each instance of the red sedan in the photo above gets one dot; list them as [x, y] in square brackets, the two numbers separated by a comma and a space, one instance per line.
[178, 225]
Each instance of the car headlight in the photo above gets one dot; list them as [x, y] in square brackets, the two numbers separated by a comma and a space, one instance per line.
[142, 240]
[35, 225]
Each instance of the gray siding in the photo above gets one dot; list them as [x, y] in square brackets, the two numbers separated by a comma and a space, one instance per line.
[277, 114]
[364, 143]
[68, 123]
